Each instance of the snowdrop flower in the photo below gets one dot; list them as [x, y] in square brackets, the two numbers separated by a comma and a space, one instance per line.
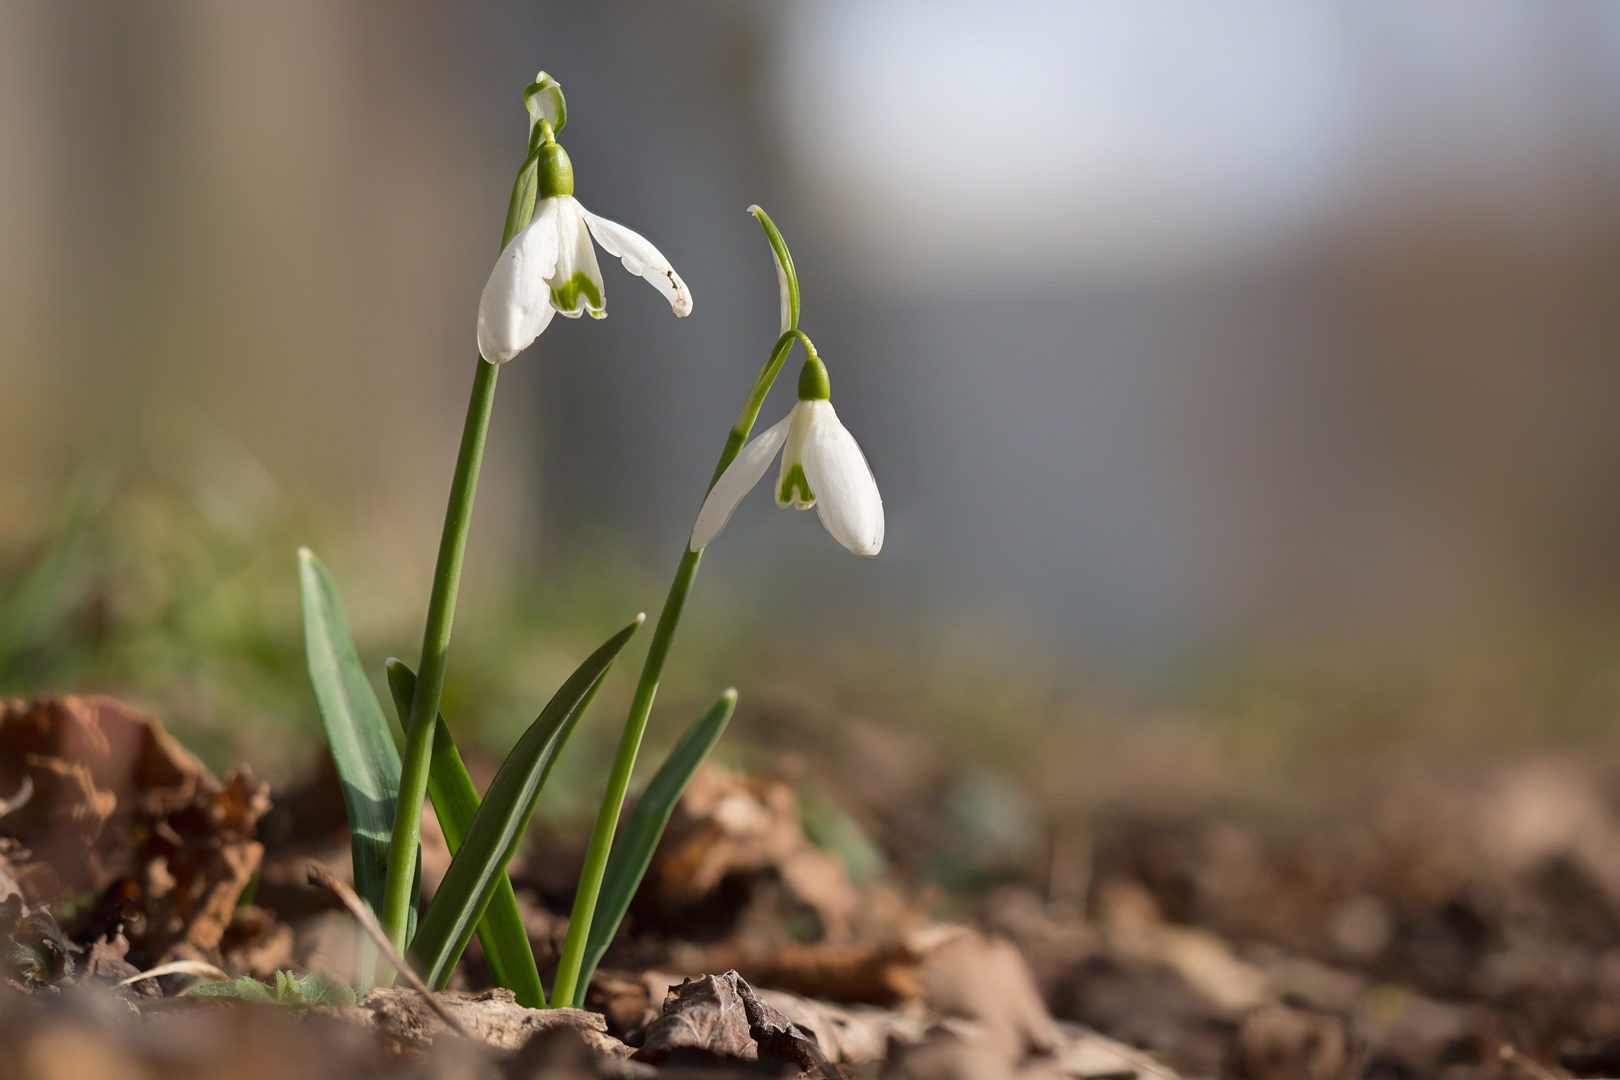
[821, 466]
[551, 266]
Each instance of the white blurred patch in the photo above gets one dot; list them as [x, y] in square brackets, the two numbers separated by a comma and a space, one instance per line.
[949, 140]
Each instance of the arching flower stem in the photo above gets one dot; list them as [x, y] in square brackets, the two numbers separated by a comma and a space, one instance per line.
[567, 989]
[756, 397]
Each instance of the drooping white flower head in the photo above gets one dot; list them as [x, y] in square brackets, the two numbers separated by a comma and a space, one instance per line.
[550, 266]
[822, 466]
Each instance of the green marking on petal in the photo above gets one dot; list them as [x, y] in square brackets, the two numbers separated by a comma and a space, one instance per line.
[794, 489]
[567, 296]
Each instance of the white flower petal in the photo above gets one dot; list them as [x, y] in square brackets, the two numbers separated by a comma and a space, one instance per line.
[847, 498]
[793, 458]
[576, 284]
[641, 259]
[516, 304]
[738, 480]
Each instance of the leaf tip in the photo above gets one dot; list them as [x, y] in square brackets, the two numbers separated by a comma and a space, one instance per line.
[640, 618]
[755, 209]
[305, 554]
[729, 695]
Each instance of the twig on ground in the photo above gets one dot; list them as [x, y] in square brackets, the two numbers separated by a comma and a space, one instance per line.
[179, 967]
[24, 792]
[322, 877]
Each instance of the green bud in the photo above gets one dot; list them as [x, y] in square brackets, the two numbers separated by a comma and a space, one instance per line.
[554, 171]
[813, 382]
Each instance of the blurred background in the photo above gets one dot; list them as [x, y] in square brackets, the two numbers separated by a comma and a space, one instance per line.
[1241, 380]
[1214, 361]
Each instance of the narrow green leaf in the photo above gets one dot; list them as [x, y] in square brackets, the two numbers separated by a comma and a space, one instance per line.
[642, 830]
[496, 828]
[356, 729]
[455, 801]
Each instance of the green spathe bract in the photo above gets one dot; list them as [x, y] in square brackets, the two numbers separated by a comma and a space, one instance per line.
[493, 836]
[544, 100]
[786, 277]
[455, 801]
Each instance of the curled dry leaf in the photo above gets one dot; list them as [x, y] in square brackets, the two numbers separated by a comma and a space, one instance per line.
[719, 1018]
[703, 1020]
[121, 811]
[730, 827]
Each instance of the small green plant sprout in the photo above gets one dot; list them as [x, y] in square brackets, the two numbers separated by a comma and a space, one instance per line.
[547, 265]
[290, 991]
[550, 266]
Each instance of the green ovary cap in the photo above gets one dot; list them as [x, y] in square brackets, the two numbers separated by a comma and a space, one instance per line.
[813, 382]
[554, 173]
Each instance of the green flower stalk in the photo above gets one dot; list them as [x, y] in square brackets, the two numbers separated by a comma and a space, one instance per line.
[546, 265]
[737, 455]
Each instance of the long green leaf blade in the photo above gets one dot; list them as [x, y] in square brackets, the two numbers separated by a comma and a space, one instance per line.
[455, 801]
[493, 836]
[356, 729]
[642, 830]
